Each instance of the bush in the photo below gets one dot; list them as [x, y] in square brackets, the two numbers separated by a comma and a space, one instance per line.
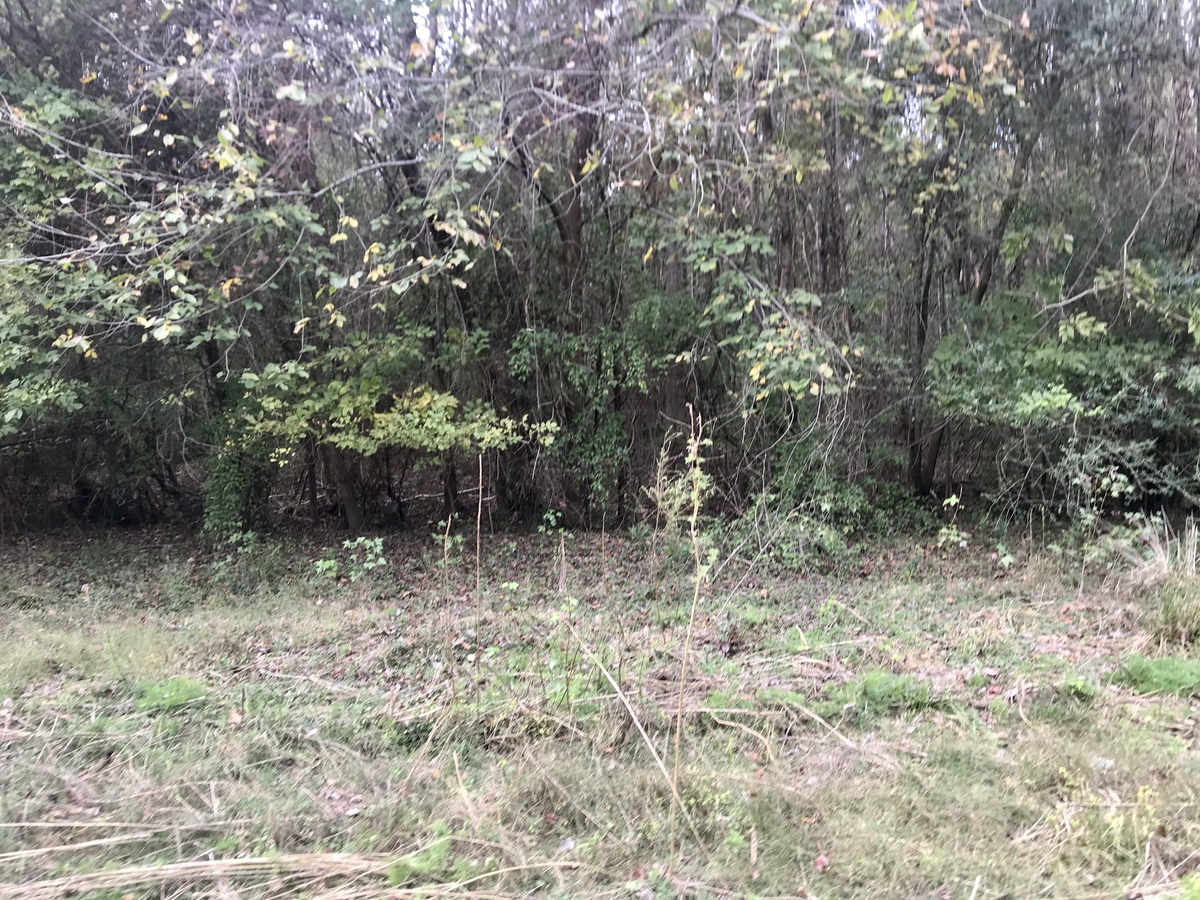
[237, 493]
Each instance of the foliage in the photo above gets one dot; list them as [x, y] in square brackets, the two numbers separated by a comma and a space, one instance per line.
[359, 557]
[237, 492]
[255, 256]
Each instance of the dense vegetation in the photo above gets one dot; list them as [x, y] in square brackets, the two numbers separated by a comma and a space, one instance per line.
[296, 259]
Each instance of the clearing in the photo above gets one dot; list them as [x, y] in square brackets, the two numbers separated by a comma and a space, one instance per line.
[178, 724]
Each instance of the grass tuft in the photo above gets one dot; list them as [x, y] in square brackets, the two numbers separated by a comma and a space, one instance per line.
[1171, 675]
[1165, 567]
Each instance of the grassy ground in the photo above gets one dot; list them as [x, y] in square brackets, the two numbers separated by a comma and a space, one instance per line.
[178, 724]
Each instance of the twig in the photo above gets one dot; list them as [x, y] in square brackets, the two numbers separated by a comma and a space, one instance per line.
[746, 728]
[15, 855]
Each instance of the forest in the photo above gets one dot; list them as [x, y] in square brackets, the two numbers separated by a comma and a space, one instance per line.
[267, 263]
[616, 449]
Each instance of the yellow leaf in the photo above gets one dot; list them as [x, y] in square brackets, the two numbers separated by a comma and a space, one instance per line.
[649, 253]
[300, 325]
[348, 221]
[339, 237]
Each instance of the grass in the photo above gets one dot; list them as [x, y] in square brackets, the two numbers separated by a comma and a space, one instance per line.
[927, 731]
[1166, 569]
[1167, 675]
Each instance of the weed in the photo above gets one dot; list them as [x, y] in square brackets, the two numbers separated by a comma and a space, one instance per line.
[1079, 689]
[878, 692]
[950, 536]
[169, 695]
[433, 862]
[1172, 675]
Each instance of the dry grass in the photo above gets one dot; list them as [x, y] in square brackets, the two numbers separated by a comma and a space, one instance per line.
[950, 736]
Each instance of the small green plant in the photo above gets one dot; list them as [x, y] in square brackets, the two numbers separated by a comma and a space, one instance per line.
[450, 544]
[1004, 557]
[950, 535]
[880, 693]
[1172, 675]
[552, 524]
[365, 555]
[169, 695]
[1079, 688]
[432, 862]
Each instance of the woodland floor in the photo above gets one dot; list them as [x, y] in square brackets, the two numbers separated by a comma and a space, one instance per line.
[178, 724]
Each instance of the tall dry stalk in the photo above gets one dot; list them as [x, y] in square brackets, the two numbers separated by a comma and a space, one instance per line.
[697, 484]
[478, 575]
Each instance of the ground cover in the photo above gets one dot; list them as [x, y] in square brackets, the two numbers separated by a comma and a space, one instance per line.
[183, 723]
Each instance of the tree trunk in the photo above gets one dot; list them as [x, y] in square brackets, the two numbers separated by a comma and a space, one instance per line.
[924, 446]
[831, 225]
[924, 452]
[314, 509]
[450, 504]
[343, 479]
